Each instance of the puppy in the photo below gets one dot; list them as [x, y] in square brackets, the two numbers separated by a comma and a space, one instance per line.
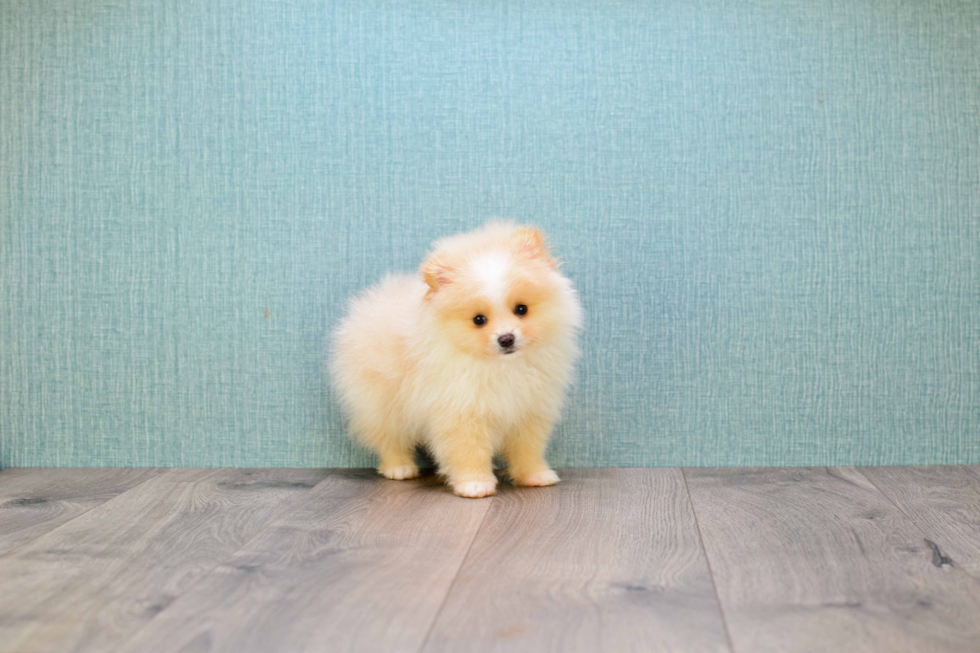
[470, 358]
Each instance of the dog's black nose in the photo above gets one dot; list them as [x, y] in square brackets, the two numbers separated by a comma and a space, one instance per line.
[506, 341]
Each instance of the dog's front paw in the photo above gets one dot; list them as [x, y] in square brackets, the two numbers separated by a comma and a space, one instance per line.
[400, 472]
[539, 479]
[476, 489]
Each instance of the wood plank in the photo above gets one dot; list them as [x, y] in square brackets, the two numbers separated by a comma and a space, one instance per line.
[820, 560]
[93, 582]
[944, 502]
[359, 564]
[36, 501]
[609, 560]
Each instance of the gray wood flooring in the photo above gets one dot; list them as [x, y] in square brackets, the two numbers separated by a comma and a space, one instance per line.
[743, 560]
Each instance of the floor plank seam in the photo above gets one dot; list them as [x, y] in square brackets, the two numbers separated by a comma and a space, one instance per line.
[20, 547]
[915, 523]
[462, 563]
[707, 562]
[258, 532]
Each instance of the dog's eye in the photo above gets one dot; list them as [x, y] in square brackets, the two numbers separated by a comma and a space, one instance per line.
[520, 309]
[480, 320]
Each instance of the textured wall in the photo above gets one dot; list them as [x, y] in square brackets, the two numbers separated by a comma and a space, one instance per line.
[772, 210]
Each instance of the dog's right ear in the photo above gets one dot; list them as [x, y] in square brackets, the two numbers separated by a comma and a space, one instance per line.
[436, 271]
[531, 244]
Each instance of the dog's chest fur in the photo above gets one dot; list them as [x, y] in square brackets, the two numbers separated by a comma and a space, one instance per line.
[503, 391]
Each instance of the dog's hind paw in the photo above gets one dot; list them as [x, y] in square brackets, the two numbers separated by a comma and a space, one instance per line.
[539, 479]
[400, 472]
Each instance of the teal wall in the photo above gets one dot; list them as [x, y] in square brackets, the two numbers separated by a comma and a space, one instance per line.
[772, 211]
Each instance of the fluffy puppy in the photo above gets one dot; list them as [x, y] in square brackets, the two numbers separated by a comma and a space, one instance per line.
[471, 357]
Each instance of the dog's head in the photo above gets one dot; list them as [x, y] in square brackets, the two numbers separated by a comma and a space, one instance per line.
[497, 291]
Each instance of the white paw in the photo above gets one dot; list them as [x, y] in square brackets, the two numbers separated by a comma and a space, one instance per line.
[400, 472]
[476, 489]
[540, 479]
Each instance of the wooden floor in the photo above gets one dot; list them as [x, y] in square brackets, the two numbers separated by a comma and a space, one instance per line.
[747, 560]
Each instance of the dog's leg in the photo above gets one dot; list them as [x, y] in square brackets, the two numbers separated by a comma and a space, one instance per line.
[397, 454]
[398, 463]
[464, 452]
[524, 452]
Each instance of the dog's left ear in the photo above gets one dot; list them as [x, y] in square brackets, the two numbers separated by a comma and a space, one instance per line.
[436, 271]
[532, 244]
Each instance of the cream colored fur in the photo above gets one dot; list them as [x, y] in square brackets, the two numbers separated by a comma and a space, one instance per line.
[411, 367]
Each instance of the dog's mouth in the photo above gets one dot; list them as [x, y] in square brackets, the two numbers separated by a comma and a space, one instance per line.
[508, 350]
